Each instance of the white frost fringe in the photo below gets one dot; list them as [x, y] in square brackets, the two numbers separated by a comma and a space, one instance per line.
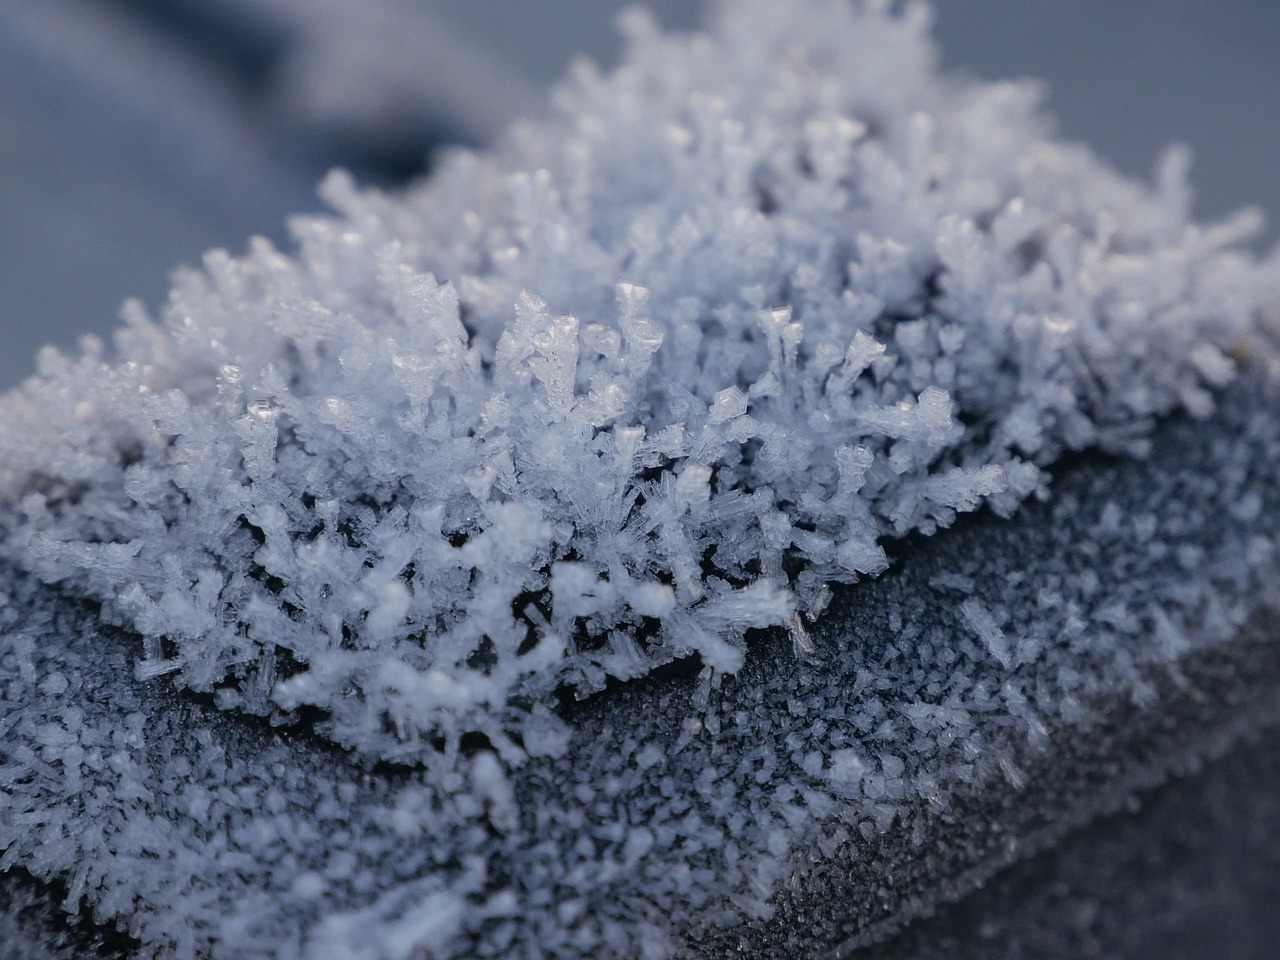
[648, 375]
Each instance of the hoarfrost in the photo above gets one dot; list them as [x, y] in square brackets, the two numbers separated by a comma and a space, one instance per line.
[650, 374]
[984, 625]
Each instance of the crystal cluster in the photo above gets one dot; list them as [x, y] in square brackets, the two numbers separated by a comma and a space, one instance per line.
[652, 373]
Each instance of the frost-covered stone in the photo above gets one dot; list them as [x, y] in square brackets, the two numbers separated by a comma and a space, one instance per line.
[650, 374]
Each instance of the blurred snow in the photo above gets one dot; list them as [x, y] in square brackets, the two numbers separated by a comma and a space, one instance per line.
[136, 134]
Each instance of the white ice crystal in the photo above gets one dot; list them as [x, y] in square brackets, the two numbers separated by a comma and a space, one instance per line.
[646, 376]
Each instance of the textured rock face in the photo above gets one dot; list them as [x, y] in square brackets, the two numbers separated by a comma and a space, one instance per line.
[687, 360]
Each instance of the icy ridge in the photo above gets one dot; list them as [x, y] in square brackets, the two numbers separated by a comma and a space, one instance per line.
[651, 374]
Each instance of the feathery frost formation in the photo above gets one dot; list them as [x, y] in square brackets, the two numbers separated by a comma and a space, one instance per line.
[649, 375]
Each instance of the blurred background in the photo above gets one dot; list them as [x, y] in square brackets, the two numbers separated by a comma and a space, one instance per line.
[136, 134]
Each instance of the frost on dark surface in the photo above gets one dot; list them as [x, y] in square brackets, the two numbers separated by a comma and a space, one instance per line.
[669, 366]
[774, 813]
[651, 374]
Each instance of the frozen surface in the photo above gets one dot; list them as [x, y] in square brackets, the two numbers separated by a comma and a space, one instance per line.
[1191, 871]
[668, 376]
[651, 374]
[809, 800]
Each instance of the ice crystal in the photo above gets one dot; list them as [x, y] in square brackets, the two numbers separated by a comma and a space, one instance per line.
[649, 374]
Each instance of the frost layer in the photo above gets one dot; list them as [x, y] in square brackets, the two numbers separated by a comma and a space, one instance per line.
[649, 375]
